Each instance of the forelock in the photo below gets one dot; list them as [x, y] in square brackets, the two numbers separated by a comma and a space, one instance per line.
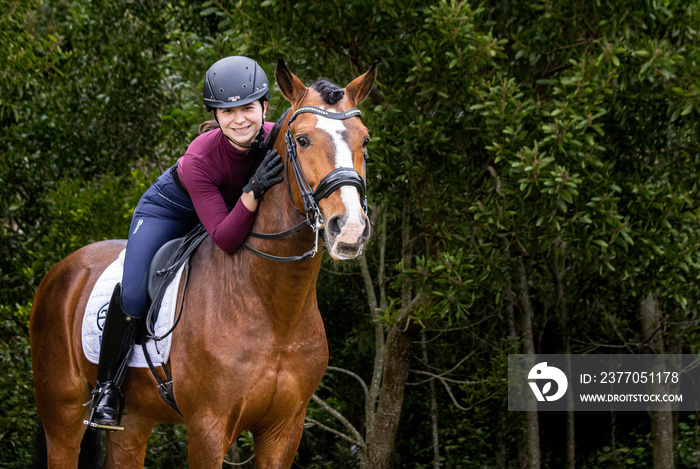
[330, 93]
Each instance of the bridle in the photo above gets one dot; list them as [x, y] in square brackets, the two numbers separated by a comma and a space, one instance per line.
[330, 183]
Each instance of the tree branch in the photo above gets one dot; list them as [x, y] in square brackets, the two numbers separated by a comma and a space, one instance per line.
[454, 367]
[369, 286]
[358, 438]
[379, 340]
[433, 376]
[406, 310]
[350, 373]
[449, 391]
[334, 431]
[381, 273]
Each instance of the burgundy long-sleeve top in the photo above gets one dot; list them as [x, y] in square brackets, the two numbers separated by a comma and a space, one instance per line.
[214, 172]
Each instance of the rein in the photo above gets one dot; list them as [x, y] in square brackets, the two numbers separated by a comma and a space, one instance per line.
[331, 182]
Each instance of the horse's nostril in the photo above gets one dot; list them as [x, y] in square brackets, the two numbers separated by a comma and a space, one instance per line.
[334, 225]
[365, 233]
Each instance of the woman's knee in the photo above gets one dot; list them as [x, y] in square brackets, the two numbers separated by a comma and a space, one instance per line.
[134, 296]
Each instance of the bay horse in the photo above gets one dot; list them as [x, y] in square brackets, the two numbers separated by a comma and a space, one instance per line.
[250, 349]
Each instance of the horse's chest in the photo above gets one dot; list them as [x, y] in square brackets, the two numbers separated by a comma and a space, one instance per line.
[285, 380]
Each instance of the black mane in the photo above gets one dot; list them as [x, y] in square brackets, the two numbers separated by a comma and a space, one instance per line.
[330, 92]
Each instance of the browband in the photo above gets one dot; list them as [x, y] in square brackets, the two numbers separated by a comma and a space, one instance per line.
[331, 115]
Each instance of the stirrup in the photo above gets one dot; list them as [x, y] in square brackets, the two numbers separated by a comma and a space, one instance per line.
[101, 426]
[97, 395]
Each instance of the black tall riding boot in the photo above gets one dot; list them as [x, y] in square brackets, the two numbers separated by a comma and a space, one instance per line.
[118, 338]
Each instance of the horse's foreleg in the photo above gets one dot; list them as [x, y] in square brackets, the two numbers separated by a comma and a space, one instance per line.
[61, 412]
[63, 440]
[275, 448]
[208, 442]
[127, 448]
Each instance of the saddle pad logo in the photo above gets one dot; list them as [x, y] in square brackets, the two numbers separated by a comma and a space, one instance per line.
[101, 316]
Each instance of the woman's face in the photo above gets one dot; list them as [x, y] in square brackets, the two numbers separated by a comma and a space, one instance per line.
[241, 124]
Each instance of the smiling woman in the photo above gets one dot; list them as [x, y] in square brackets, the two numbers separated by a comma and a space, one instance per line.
[241, 125]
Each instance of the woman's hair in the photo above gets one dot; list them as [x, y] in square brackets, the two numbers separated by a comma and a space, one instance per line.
[207, 126]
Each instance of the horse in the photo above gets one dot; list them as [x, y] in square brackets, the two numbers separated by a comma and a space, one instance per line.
[250, 349]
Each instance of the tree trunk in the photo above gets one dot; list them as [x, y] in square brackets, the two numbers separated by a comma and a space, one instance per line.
[557, 265]
[384, 424]
[376, 306]
[386, 418]
[661, 422]
[502, 432]
[613, 437]
[433, 408]
[532, 426]
[500, 455]
[570, 427]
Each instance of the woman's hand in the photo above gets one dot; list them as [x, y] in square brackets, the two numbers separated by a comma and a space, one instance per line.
[266, 176]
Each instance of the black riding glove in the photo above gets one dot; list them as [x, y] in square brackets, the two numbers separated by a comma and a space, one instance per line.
[266, 175]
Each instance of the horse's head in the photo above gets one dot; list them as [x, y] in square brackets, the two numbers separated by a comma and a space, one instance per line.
[327, 139]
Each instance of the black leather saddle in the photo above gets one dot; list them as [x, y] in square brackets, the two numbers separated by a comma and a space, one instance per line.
[166, 263]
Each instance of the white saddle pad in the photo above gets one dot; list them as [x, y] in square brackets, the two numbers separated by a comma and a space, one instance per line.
[96, 311]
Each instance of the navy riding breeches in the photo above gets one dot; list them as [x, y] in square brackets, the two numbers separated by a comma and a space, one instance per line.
[164, 213]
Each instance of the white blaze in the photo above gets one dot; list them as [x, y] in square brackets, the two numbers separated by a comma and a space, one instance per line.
[343, 159]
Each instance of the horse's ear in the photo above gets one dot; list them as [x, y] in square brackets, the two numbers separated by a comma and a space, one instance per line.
[360, 87]
[291, 87]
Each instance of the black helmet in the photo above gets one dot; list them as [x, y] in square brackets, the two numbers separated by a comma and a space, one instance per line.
[234, 81]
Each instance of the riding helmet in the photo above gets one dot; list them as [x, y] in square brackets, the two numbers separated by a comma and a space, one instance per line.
[234, 81]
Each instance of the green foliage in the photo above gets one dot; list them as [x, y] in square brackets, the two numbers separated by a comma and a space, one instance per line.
[167, 447]
[633, 451]
[17, 412]
[686, 451]
[552, 131]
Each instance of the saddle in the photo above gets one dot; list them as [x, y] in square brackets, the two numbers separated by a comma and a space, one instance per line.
[170, 258]
[163, 269]
[165, 265]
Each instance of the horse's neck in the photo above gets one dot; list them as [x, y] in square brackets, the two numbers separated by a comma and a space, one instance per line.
[277, 213]
[282, 293]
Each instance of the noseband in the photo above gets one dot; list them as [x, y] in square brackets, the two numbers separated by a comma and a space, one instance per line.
[330, 183]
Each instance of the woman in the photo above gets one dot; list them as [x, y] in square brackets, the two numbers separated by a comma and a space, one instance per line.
[208, 179]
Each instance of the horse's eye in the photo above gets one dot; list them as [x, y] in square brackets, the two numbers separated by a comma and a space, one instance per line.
[365, 142]
[303, 141]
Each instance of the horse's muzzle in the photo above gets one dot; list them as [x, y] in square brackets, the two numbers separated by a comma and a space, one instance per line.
[345, 238]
